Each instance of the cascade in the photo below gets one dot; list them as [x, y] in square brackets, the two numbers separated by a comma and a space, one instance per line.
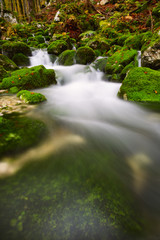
[139, 58]
[99, 148]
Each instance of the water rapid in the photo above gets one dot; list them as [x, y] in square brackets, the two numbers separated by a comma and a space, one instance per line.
[89, 106]
[110, 150]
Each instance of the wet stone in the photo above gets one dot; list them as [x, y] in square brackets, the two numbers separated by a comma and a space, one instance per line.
[12, 104]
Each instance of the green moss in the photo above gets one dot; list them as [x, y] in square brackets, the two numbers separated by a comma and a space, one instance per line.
[13, 90]
[31, 97]
[3, 73]
[120, 59]
[33, 44]
[100, 64]
[85, 55]
[7, 63]
[141, 84]
[42, 45]
[39, 39]
[20, 59]
[134, 41]
[30, 78]
[67, 58]
[18, 134]
[57, 47]
[126, 69]
[80, 199]
[11, 48]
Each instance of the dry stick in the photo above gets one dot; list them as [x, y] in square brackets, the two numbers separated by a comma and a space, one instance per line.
[150, 13]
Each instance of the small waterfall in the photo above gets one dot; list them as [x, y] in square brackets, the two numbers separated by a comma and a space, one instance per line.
[139, 59]
[40, 57]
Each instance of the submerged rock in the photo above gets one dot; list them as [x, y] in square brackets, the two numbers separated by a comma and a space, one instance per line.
[141, 85]
[19, 134]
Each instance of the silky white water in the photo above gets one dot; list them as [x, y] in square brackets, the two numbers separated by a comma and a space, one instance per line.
[96, 175]
[88, 105]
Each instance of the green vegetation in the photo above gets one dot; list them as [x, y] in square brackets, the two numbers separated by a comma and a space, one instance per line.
[72, 197]
[141, 85]
[19, 133]
[57, 47]
[67, 58]
[29, 78]
[11, 48]
[7, 63]
[85, 55]
[31, 97]
[20, 59]
[118, 61]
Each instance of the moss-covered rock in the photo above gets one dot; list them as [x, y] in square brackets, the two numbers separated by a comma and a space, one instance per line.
[39, 39]
[85, 55]
[11, 48]
[13, 90]
[3, 73]
[7, 63]
[57, 47]
[134, 41]
[20, 59]
[67, 58]
[141, 84]
[100, 64]
[18, 134]
[119, 60]
[42, 45]
[31, 97]
[29, 78]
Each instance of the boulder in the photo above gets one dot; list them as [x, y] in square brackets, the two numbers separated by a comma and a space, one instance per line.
[141, 85]
[118, 61]
[57, 47]
[85, 55]
[7, 63]
[151, 57]
[67, 58]
[31, 97]
[29, 78]
[11, 48]
[20, 59]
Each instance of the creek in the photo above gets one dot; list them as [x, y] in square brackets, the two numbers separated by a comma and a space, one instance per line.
[97, 175]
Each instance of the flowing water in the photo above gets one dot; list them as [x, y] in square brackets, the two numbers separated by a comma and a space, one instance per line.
[99, 174]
